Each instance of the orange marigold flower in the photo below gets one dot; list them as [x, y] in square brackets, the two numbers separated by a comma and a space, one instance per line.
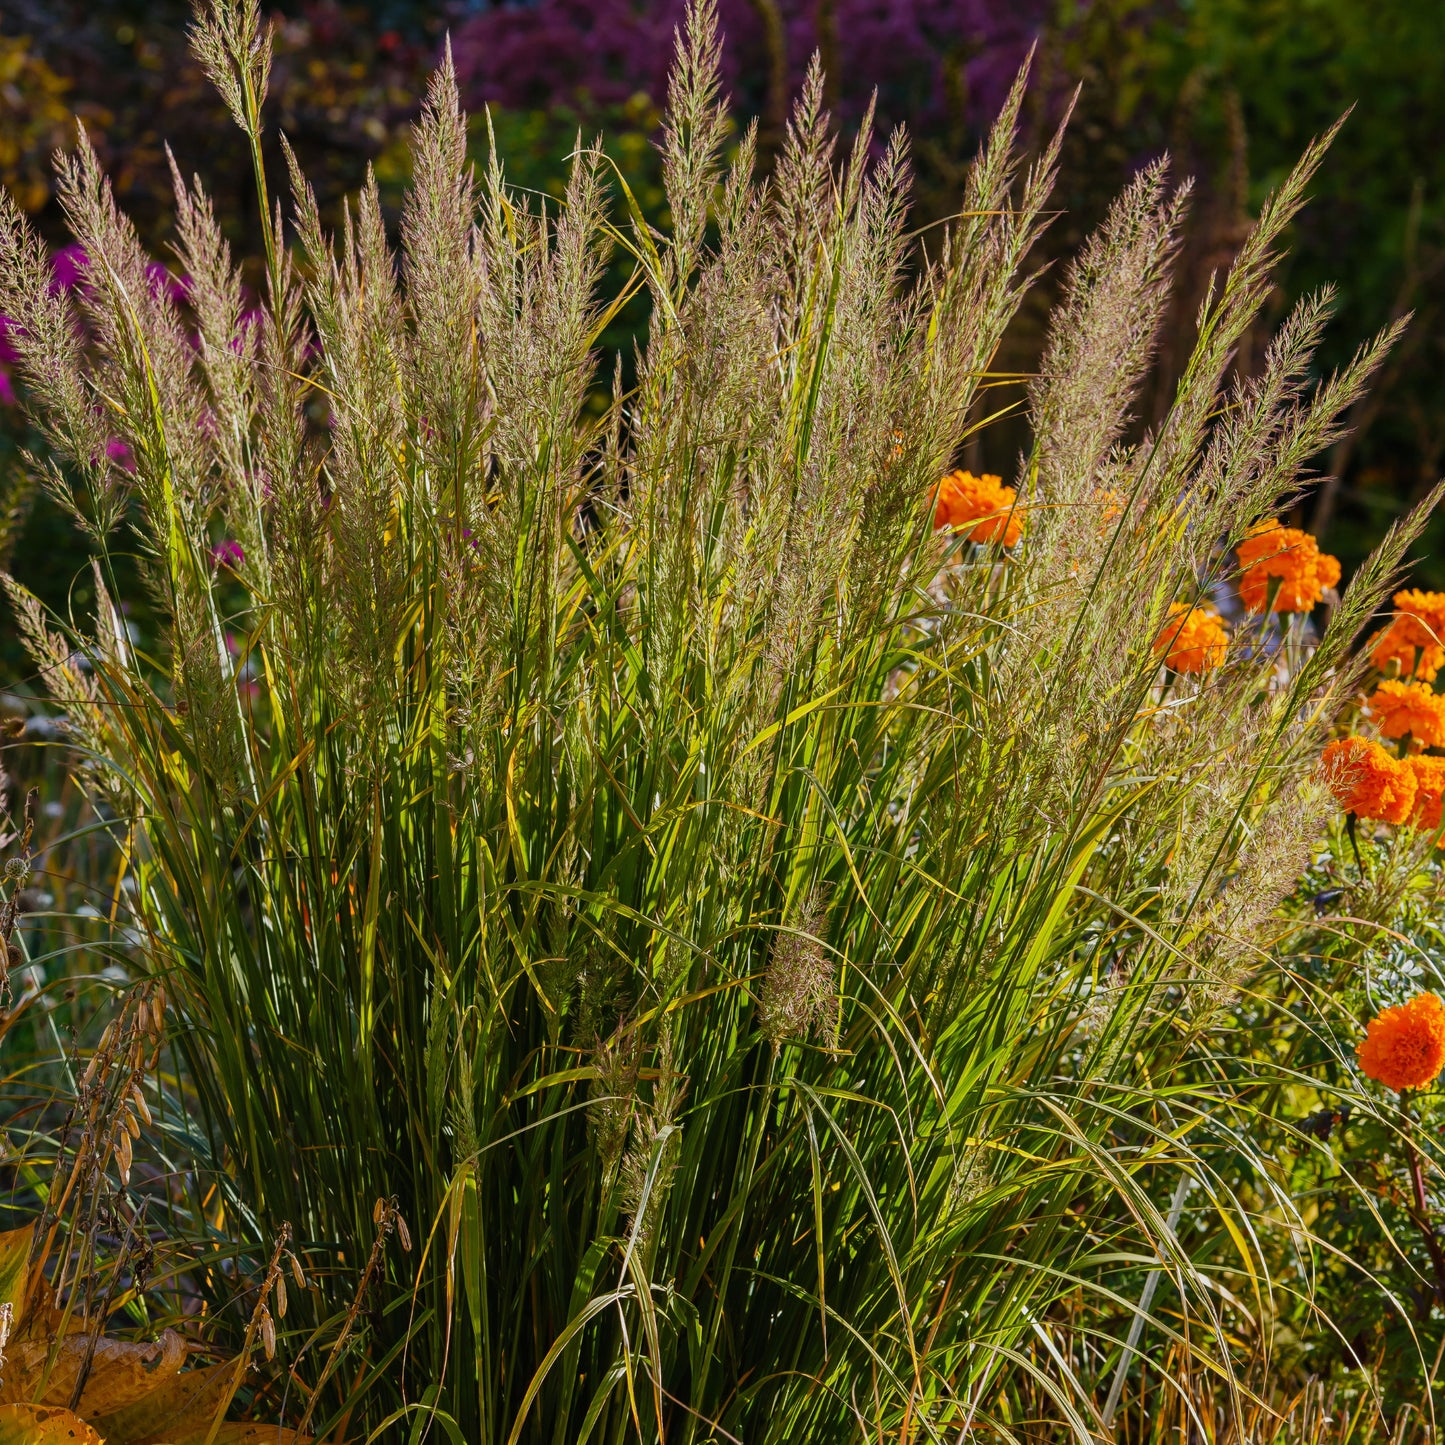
[1418, 626]
[965, 498]
[1269, 551]
[1421, 616]
[1194, 639]
[1367, 781]
[1429, 791]
[1404, 1047]
[1409, 707]
[1394, 645]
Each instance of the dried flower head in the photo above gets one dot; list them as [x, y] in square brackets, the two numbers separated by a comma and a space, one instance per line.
[1367, 781]
[1409, 708]
[1271, 552]
[1194, 639]
[984, 501]
[1404, 1047]
[1429, 790]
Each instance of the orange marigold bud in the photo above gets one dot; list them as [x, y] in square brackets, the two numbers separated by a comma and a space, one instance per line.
[1429, 790]
[1270, 551]
[1367, 781]
[1398, 708]
[1194, 639]
[1404, 1047]
[984, 501]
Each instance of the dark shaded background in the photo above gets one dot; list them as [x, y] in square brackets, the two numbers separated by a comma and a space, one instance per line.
[1232, 88]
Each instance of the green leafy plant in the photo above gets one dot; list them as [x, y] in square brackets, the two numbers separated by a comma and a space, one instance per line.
[685, 949]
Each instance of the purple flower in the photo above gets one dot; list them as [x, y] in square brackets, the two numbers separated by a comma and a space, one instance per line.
[8, 357]
[163, 283]
[120, 454]
[69, 265]
[229, 553]
[8, 354]
[602, 52]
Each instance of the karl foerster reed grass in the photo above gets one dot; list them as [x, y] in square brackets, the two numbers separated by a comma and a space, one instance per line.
[744, 936]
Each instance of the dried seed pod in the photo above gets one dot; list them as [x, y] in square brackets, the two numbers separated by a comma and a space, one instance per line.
[142, 1108]
[296, 1272]
[106, 1038]
[402, 1233]
[123, 1156]
[280, 1296]
[90, 1069]
[132, 1125]
[379, 1212]
[268, 1333]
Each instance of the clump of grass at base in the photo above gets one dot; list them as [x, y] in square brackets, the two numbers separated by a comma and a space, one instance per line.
[747, 938]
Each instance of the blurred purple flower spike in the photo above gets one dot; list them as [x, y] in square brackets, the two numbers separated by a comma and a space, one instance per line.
[8, 357]
[229, 553]
[166, 283]
[69, 266]
[120, 454]
[603, 52]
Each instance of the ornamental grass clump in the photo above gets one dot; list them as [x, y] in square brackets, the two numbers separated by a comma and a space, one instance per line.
[746, 938]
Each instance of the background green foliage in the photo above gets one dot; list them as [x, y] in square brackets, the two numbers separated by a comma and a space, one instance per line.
[1234, 88]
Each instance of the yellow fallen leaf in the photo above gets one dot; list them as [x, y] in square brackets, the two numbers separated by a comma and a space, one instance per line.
[44, 1425]
[174, 1410]
[120, 1373]
[15, 1269]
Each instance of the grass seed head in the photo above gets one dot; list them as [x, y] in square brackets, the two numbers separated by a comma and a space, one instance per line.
[800, 985]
